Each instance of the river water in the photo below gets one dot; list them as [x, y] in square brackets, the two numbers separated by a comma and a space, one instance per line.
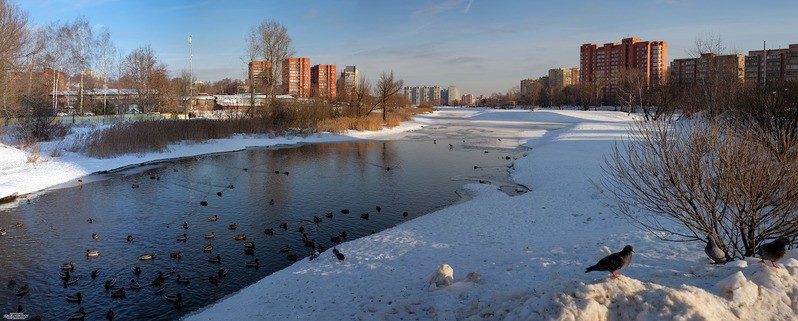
[307, 187]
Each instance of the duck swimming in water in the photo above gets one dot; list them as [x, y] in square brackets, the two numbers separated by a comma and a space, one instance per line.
[209, 235]
[95, 236]
[176, 255]
[182, 280]
[208, 248]
[136, 270]
[240, 237]
[24, 289]
[110, 283]
[76, 298]
[146, 257]
[120, 293]
[232, 226]
[92, 253]
[215, 259]
[79, 315]
[130, 238]
[254, 263]
[213, 218]
[68, 266]
[182, 238]
[134, 284]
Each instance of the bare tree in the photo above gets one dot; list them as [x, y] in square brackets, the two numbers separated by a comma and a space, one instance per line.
[386, 88]
[13, 36]
[81, 46]
[710, 177]
[106, 60]
[632, 87]
[147, 76]
[360, 97]
[253, 51]
[275, 47]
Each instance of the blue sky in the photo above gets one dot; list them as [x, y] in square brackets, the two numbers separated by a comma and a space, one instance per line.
[481, 46]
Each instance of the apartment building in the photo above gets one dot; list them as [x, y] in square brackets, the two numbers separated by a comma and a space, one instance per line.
[296, 77]
[602, 64]
[453, 95]
[259, 72]
[467, 100]
[561, 77]
[323, 81]
[707, 66]
[349, 79]
[763, 66]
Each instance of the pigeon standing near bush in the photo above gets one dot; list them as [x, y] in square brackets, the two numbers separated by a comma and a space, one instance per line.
[614, 262]
[774, 251]
[714, 252]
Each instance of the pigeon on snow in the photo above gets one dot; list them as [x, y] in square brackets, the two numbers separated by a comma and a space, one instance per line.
[714, 252]
[774, 251]
[614, 262]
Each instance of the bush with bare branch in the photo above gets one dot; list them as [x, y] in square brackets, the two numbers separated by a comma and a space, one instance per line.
[705, 177]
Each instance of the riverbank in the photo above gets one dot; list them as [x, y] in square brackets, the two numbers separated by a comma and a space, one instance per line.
[530, 251]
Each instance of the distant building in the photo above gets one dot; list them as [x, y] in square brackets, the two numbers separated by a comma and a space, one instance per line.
[694, 70]
[601, 65]
[52, 80]
[323, 80]
[435, 95]
[454, 95]
[527, 86]
[259, 72]
[561, 77]
[781, 65]
[349, 79]
[467, 100]
[296, 77]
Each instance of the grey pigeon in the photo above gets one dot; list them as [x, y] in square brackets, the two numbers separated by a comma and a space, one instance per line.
[614, 262]
[714, 252]
[774, 251]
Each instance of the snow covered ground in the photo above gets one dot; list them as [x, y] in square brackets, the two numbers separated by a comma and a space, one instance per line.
[530, 251]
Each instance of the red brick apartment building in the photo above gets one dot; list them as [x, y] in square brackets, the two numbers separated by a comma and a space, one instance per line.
[602, 64]
[259, 73]
[781, 65]
[296, 77]
[323, 81]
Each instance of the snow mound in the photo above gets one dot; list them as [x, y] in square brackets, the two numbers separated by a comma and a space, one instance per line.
[754, 293]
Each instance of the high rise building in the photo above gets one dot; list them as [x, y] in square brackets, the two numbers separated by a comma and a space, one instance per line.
[322, 80]
[435, 95]
[467, 100]
[781, 65]
[296, 77]
[695, 70]
[601, 65]
[349, 79]
[527, 86]
[561, 77]
[454, 95]
[259, 73]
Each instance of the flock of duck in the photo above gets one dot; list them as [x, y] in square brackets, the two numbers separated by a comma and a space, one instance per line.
[119, 290]
[115, 290]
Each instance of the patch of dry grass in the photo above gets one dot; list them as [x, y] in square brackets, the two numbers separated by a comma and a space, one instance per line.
[156, 135]
[35, 153]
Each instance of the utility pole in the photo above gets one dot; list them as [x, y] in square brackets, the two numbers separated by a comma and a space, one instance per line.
[190, 76]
